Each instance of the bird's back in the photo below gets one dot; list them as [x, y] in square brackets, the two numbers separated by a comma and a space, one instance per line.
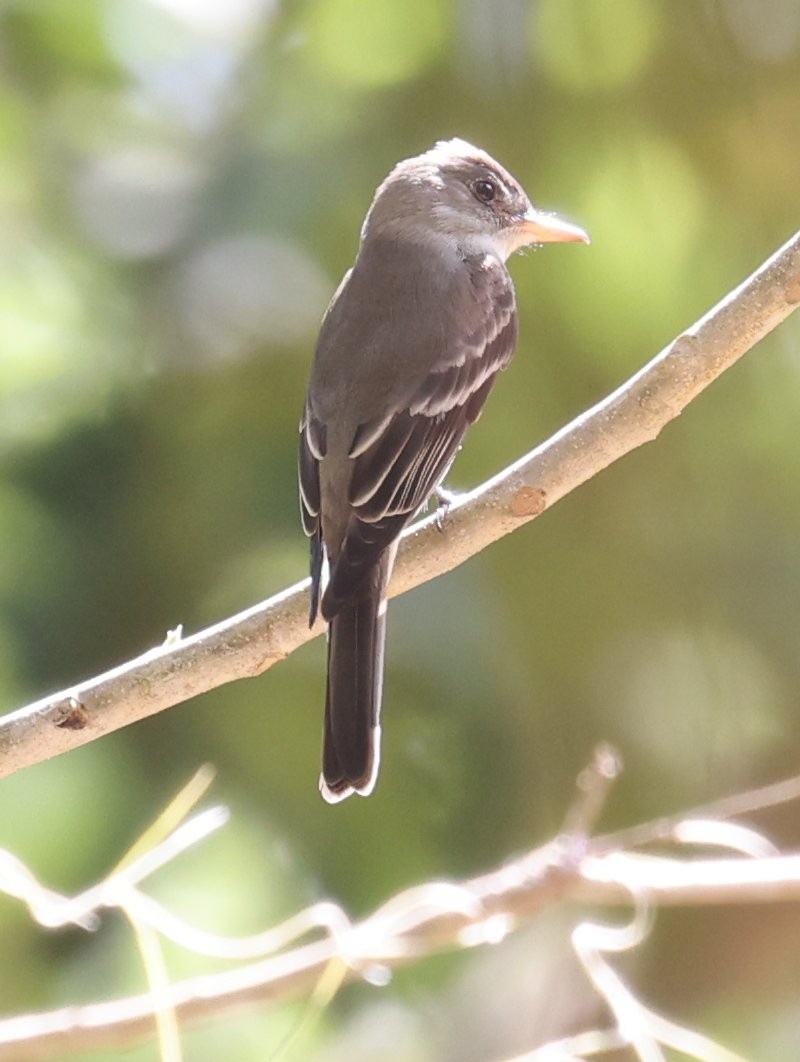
[391, 317]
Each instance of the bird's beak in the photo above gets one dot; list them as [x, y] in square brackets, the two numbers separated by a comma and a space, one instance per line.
[536, 227]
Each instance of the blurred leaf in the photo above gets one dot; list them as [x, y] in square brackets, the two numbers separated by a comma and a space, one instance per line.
[590, 47]
[379, 43]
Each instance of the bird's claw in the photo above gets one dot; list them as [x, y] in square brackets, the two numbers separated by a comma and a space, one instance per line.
[445, 500]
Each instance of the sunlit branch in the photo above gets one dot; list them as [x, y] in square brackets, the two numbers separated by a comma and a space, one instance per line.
[252, 641]
[425, 919]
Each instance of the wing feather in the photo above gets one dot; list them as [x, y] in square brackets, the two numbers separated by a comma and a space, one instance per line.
[308, 477]
[400, 453]
[408, 459]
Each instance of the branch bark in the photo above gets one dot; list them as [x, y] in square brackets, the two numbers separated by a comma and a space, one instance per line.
[252, 641]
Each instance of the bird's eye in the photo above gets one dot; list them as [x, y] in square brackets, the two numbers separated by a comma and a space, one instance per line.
[485, 190]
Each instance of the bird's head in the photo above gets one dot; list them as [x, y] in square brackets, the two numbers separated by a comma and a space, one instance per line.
[456, 193]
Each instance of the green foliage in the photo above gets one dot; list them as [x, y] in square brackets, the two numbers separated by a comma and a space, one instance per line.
[377, 44]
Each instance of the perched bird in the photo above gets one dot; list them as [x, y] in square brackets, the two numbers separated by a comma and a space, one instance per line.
[408, 351]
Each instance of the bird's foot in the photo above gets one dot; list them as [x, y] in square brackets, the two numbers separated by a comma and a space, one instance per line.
[445, 500]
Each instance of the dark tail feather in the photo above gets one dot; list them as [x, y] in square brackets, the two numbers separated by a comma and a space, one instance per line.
[351, 747]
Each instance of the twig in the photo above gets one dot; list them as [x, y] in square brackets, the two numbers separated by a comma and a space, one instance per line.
[419, 921]
[252, 641]
[594, 783]
[665, 829]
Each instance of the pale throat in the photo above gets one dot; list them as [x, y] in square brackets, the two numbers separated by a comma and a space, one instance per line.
[456, 242]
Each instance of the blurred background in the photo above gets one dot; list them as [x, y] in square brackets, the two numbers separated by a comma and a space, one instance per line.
[182, 184]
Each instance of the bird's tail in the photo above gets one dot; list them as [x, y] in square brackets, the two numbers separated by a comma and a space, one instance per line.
[351, 742]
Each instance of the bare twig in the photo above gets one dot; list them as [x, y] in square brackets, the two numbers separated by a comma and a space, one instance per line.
[639, 1027]
[594, 783]
[419, 921]
[252, 641]
[665, 829]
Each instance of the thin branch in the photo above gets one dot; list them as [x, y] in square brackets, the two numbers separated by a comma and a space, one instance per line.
[419, 921]
[252, 641]
[748, 803]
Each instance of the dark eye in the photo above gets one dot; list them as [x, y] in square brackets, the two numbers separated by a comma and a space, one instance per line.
[485, 190]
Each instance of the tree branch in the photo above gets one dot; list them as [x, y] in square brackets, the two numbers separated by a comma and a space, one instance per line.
[419, 921]
[252, 641]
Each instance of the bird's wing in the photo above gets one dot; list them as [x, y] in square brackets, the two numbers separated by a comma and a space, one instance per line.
[400, 458]
[312, 449]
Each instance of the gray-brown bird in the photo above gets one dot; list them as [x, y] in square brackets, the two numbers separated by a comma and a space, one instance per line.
[408, 351]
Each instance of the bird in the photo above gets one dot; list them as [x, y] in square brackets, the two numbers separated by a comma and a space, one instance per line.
[408, 350]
